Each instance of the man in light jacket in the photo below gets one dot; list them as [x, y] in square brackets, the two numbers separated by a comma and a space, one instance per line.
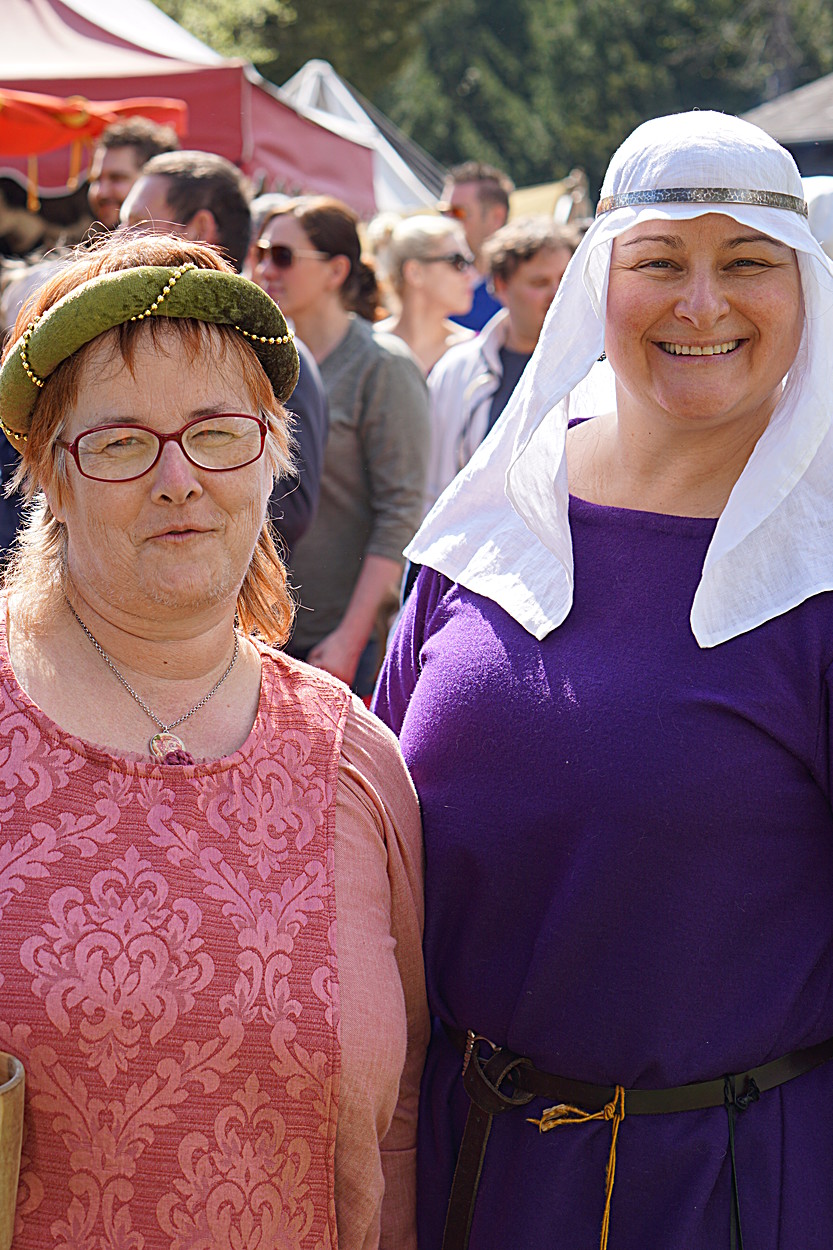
[472, 382]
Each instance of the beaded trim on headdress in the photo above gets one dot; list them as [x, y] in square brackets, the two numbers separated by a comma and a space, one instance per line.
[24, 339]
[703, 195]
[111, 299]
[166, 290]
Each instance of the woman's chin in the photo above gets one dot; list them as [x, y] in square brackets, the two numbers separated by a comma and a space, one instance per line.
[191, 587]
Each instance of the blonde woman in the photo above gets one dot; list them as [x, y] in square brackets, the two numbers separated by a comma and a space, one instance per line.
[430, 268]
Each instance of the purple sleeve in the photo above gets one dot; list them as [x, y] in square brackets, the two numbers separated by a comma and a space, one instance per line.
[403, 662]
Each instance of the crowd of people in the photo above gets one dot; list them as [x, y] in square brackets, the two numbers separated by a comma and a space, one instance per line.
[318, 930]
[371, 449]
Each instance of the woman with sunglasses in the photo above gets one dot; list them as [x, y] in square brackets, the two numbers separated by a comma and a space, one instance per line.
[209, 852]
[427, 262]
[348, 565]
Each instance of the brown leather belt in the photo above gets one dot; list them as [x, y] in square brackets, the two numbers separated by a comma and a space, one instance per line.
[499, 1081]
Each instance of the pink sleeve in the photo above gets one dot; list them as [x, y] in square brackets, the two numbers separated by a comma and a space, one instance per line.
[384, 1014]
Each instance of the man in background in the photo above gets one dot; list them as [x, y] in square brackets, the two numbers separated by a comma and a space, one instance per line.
[477, 196]
[122, 150]
[471, 384]
[203, 196]
[196, 194]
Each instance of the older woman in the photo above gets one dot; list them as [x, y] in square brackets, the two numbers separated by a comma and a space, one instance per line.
[612, 686]
[209, 853]
[428, 264]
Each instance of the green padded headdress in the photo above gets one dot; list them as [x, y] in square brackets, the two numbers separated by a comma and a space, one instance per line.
[111, 299]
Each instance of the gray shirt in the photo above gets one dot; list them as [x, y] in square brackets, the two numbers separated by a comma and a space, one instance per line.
[375, 467]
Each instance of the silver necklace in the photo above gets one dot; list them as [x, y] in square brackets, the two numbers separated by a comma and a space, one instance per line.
[164, 744]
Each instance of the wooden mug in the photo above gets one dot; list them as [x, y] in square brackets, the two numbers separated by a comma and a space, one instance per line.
[12, 1083]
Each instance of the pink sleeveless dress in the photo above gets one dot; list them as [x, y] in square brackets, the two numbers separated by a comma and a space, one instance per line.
[168, 976]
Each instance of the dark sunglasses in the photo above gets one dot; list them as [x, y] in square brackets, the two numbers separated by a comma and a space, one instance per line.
[283, 256]
[457, 260]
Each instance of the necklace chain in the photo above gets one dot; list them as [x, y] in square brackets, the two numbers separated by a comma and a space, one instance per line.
[165, 728]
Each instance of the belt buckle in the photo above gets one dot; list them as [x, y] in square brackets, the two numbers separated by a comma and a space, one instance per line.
[472, 1039]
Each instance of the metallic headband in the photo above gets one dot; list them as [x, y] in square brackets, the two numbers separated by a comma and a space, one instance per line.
[703, 195]
[112, 299]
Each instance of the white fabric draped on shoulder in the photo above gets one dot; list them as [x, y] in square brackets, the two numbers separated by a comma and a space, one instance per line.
[501, 528]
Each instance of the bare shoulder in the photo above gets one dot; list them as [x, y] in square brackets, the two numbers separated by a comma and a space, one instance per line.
[40, 651]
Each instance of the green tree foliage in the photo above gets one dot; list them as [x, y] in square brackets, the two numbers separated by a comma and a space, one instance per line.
[551, 84]
[533, 86]
[367, 43]
[466, 91]
[634, 62]
[234, 28]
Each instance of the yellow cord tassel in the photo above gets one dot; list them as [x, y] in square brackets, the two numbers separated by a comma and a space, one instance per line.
[32, 201]
[564, 1113]
[76, 152]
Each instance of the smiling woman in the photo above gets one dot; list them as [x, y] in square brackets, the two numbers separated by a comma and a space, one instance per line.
[210, 883]
[710, 288]
[613, 685]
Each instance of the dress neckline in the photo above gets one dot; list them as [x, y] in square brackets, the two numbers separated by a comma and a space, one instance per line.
[584, 510]
[130, 761]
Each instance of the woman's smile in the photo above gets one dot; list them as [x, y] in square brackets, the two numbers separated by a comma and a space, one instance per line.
[180, 534]
[700, 349]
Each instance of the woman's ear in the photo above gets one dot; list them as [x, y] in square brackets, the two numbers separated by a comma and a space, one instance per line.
[339, 267]
[55, 497]
[413, 272]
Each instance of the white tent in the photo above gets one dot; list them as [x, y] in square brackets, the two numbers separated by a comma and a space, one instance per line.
[404, 176]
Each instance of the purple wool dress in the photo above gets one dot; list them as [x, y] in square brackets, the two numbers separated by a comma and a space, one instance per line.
[629, 880]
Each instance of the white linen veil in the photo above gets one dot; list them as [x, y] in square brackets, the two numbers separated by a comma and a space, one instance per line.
[818, 192]
[501, 528]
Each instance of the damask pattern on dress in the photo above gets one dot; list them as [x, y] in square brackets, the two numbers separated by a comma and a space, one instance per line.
[168, 975]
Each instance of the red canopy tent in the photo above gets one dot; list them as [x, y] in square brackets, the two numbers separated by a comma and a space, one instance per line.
[104, 52]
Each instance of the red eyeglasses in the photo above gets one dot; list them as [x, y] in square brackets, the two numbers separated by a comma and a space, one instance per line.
[121, 453]
[283, 256]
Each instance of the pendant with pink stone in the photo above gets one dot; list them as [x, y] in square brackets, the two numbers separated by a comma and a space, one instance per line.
[170, 749]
